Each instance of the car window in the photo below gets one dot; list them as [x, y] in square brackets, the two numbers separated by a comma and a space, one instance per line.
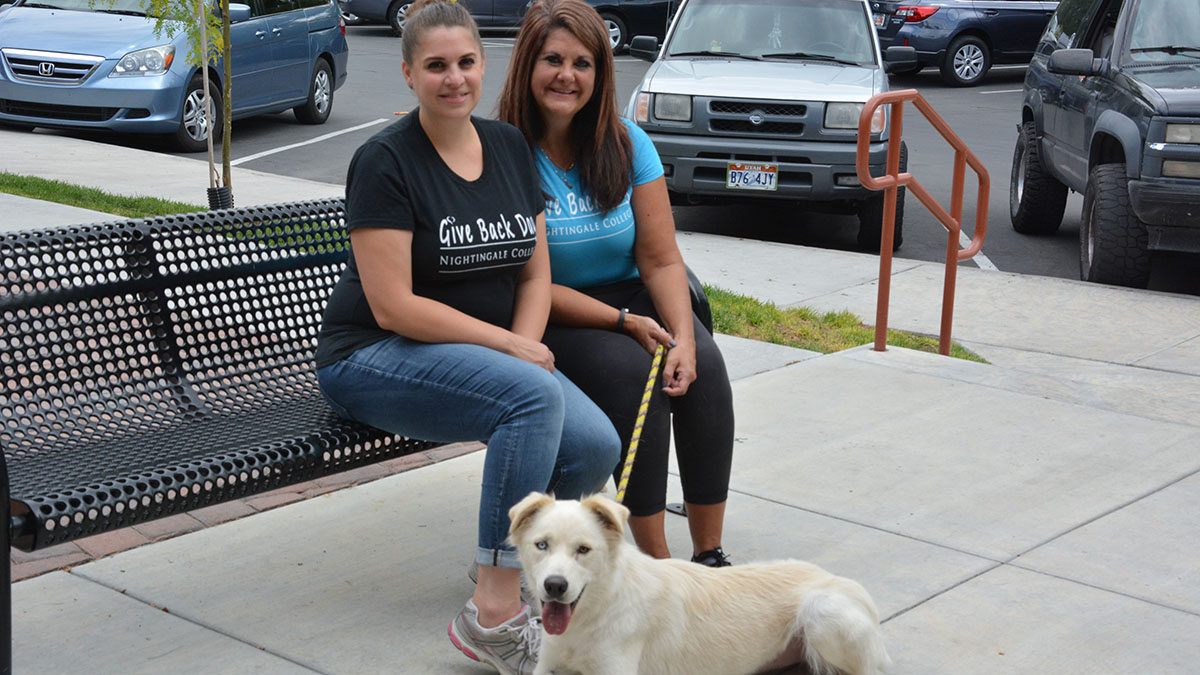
[832, 30]
[276, 6]
[1165, 31]
[1101, 30]
[1065, 26]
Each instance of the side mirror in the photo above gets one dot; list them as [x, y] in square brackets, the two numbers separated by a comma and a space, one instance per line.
[644, 47]
[899, 58]
[238, 12]
[1073, 62]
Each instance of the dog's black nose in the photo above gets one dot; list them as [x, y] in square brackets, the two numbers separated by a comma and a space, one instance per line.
[556, 586]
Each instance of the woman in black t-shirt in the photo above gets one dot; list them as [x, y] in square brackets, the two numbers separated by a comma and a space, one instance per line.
[434, 330]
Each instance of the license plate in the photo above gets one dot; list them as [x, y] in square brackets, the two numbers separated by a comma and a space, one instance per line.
[752, 176]
[880, 20]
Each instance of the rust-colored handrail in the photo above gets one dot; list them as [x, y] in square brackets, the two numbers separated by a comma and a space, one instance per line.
[890, 184]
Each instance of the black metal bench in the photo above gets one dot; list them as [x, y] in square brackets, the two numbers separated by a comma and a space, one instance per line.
[156, 366]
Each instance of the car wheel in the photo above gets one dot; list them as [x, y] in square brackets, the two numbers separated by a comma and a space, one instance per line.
[1036, 200]
[1113, 242]
[617, 36]
[967, 61]
[194, 123]
[320, 96]
[397, 15]
[870, 216]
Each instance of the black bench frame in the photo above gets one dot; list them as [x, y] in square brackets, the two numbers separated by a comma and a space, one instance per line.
[156, 366]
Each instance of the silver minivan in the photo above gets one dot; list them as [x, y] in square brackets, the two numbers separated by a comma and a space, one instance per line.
[760, 99]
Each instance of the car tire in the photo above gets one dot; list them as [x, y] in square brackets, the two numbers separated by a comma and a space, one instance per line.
[397, 14]
[194, 127]
[870, 216]
[618, 36]
[1113, 241]
[320, 96]
[1036, 199]
[967, 61]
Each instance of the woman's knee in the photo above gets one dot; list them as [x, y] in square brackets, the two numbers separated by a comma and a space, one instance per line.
[536, 392]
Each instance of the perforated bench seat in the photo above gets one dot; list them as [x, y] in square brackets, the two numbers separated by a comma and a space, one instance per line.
[160, 365]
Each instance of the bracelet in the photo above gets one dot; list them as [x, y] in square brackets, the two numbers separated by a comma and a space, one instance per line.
[621, 319]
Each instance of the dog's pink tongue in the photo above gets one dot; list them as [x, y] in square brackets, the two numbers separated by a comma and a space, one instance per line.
[555, 617]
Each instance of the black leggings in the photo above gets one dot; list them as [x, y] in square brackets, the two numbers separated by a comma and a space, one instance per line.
[611, 368]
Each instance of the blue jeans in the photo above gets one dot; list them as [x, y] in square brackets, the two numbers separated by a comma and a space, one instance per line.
[543, 434]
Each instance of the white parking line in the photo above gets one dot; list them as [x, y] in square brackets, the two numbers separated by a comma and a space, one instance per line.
[979, 258]
[1001, 91]
[318, 139]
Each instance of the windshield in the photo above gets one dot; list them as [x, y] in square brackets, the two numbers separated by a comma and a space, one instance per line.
[819, 30]
[131, 7]
[1165, 31]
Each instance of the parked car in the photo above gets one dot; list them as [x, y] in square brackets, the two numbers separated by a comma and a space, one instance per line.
[963, 37]
[1112, 110]
[626, 18]
[84, 64]
[487, 13]
[754, 100]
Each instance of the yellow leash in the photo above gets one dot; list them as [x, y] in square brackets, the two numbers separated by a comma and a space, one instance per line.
[637, 426]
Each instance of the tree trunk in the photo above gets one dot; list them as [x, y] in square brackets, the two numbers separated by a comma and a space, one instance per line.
[227, 118]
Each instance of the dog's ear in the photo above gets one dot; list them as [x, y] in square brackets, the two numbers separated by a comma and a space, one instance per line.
[612, 515]
[525, 509]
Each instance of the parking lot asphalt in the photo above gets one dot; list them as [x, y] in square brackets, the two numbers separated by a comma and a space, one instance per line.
[1033, 514]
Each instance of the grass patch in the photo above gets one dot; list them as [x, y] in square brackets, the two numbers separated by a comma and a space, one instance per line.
[746, 317]
[89, 198]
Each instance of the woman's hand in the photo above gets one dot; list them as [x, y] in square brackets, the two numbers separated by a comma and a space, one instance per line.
[532, 351]
[647, 332]
[679, 372]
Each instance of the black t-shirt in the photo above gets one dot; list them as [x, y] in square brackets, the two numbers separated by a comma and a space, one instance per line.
[470, 238]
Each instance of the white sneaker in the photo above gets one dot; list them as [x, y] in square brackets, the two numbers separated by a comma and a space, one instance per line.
[511, 648]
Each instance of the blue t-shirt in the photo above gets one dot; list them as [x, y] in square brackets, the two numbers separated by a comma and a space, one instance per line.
[589, 248]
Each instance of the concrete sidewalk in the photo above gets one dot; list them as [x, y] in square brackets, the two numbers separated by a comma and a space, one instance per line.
[1034, 515]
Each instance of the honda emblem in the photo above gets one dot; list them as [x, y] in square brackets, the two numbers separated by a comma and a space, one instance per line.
[46, 69]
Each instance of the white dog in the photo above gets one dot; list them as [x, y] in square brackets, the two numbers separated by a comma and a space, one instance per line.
[607, 608]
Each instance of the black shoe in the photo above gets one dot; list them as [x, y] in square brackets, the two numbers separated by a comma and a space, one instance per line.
[712, 558]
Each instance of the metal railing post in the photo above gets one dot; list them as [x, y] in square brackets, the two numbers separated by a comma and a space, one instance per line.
[891, 182]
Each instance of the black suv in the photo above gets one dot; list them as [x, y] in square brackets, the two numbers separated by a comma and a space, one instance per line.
[1112, 110]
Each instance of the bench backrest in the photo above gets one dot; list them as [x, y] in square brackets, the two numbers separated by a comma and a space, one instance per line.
[124, 345]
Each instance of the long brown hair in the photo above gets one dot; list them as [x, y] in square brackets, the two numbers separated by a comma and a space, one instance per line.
[426, 14]
[599, 141]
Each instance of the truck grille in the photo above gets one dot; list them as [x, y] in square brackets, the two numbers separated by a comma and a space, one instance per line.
[50, 67]
[747, 108]
[757, 118]
[764, 128]
[74, 113]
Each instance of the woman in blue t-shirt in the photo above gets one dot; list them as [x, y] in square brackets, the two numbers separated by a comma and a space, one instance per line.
[434, 330]
[618, 274]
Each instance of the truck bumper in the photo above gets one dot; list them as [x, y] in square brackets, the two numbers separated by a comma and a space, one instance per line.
[1171, 211]
[696, 166]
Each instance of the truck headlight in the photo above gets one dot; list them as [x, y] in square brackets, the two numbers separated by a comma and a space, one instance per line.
[673, 107]
[845, 116]
[1183, 133]
[145, 62]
